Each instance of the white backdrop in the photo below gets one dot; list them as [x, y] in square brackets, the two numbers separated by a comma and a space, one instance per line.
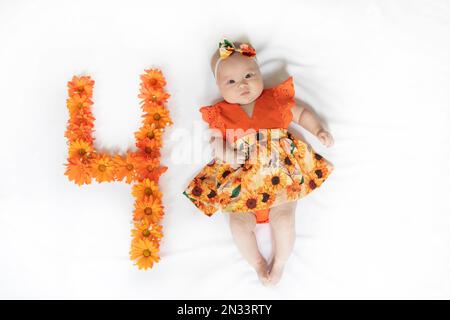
[377, 72]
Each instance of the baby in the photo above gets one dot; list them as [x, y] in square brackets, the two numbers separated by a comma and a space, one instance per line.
[240, 82]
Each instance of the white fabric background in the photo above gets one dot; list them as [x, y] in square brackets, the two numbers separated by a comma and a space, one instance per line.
[377, 72]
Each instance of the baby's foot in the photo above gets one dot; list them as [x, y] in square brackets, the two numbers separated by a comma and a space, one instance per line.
[262, 272]
[275, 271]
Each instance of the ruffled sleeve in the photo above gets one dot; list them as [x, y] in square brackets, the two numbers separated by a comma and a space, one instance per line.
[212, 116]
[284, 94]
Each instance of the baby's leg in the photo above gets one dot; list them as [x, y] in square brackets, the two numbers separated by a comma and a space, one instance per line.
[242, 227]
[282, 222]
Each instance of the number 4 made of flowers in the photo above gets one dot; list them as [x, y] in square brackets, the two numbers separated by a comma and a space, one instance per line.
[141, 168]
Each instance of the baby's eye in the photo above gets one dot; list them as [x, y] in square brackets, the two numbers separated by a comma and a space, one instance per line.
[230, 81]
[248, 74]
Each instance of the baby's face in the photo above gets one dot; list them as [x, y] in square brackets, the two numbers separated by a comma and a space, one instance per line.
[239, 79]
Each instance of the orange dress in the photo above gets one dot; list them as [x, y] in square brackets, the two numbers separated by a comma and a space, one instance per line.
[278, 167]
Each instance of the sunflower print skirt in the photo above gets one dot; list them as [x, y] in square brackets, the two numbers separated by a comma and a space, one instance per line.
[278, 168]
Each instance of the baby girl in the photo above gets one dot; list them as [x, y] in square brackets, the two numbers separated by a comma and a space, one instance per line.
[253, 191]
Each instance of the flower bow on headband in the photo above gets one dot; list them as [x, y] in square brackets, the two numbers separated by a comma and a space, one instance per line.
[226, 48]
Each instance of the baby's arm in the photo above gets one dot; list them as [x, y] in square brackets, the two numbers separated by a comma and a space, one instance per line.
[308, 120]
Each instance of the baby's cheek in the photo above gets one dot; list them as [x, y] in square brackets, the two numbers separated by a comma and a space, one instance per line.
[229, 95]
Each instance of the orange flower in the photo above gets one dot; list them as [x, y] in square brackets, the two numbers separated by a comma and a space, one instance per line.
[81, 85]
[83, 116]
[149, 209]
[145, 189]
[150, 134]
[79, 131]
[77, 102]
[126, 167]
[149, 168]
[151, 173]
[103, 168]
[152, 97]
[85, 163]
[78, 172]
[80, 149]
[153, 78]
[145, 252]
[148, 151]
[158, 115]
[146, 230]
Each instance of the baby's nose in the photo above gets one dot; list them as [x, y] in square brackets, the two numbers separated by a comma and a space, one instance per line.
[243, 83]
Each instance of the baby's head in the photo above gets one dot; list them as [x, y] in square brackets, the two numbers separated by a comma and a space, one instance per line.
[236, 75]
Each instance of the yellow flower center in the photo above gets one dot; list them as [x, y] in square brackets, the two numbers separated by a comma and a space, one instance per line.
[153, 81]
[148, 149]
[146, 253]
[150, 135]
[148, 191]
[81, 152]
[148, 211]
[149, 168]
[101, 167]
[130, 166]
[153, 98]
[156, 116]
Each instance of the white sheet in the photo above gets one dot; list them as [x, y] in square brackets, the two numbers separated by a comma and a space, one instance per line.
[377, 72]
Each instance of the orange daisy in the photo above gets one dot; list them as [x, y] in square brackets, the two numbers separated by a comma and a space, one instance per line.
[145, 252]
[103, 168]
[78, 172]
[154, 78]
[83, 116]
[145, 166]
[148, 209]
[145, 189]
[152, 174]
[152, 97]
[125, 167]
[79, 131]
[146, 230]
[159, 116]
[150, 147]
[80, 149]
[81, 85]
[77, 102]
[150, 133]
[151, 170]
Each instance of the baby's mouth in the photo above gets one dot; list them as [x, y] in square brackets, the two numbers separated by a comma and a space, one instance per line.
[245, 93]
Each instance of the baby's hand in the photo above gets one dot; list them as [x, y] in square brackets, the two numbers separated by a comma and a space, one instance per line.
[325, 137]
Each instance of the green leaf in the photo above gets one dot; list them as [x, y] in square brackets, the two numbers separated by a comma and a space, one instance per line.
[228, 43]
[193, 200]
[236, 191]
